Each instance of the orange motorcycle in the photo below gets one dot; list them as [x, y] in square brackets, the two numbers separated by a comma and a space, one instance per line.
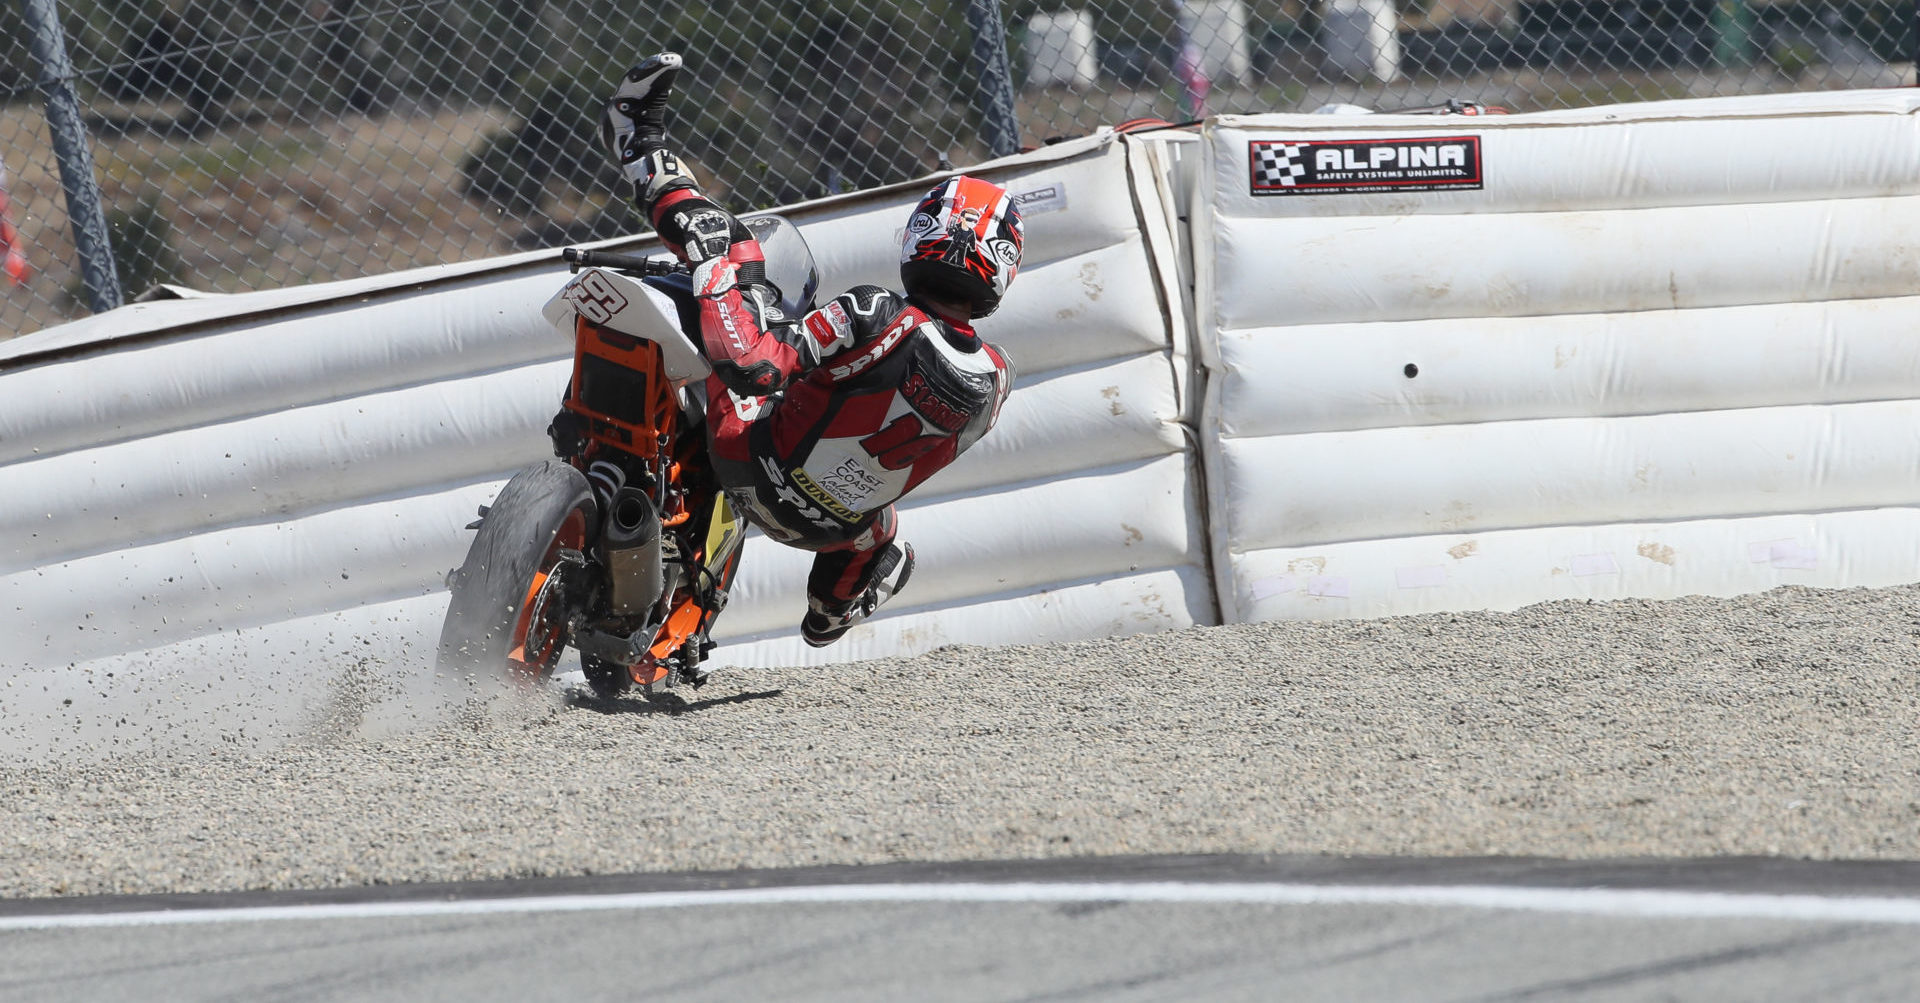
[624, 549]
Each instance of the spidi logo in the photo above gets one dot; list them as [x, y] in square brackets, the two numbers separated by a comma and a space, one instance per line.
[1342, 166]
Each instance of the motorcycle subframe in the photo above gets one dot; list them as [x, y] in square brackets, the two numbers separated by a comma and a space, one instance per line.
[647, 552]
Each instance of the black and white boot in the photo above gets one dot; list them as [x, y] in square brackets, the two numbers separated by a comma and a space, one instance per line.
[634, 129]
[824, 624]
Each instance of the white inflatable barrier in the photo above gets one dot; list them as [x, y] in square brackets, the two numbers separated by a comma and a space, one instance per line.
[1527, 264]
[267, 465]
[1464, 571]
[1719, 151]
[280, 463]
[260, 358]
[1389, 482]
[1479, 362]
[1448, 364]
[1115, 523]
[246, 576]
[1329, 377]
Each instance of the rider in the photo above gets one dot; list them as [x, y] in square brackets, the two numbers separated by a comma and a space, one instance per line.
[818, 424]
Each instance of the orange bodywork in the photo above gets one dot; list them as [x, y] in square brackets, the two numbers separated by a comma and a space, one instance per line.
[686, 620]
[517, 658]
[638, 432]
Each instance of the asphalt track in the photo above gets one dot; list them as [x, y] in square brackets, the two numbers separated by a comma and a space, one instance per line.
[1129, 928]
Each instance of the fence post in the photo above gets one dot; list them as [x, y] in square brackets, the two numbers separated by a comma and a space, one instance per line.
[73, 148]
[994, 97]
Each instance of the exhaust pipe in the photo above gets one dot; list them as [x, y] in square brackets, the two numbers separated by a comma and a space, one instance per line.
[630, 549]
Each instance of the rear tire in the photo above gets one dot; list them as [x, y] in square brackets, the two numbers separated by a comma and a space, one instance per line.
[502, 619]
[607, 679]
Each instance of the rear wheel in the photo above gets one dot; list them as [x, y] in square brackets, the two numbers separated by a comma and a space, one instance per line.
[508, 611]
[607, 679]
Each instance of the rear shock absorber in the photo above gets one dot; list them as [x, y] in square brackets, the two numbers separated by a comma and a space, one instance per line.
[607, 480]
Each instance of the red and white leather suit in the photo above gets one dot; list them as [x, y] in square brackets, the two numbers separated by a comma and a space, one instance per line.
[817, 425]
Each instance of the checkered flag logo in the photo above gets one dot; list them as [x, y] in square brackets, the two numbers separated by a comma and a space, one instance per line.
[1277, 165]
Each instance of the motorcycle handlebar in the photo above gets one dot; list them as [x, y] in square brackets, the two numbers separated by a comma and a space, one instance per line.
[577, 259]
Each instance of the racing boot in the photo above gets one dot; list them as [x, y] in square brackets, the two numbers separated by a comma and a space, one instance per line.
[634, 129]
[825, 622]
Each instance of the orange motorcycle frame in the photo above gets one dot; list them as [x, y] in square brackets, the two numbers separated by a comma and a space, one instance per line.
[630, 407]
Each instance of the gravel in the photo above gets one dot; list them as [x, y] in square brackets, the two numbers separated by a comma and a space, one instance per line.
[1780, 724]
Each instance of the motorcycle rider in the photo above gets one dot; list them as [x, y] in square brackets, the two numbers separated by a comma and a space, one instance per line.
[818, 424]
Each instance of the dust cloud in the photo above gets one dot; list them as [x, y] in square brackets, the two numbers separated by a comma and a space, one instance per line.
[340, 678]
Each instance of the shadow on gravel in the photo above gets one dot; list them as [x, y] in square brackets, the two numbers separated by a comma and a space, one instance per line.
[658, 703]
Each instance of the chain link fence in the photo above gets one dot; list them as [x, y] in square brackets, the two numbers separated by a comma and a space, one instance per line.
[243, 144]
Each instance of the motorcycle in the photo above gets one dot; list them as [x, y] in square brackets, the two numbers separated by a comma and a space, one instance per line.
[624, 549]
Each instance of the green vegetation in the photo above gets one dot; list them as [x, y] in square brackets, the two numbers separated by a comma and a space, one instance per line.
[143, 254]
[784, 99]
[228, 158]
[828, 96]
[1792, 60]
[143, 247]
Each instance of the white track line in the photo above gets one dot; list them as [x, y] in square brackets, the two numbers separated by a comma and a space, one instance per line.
[1582, 901]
